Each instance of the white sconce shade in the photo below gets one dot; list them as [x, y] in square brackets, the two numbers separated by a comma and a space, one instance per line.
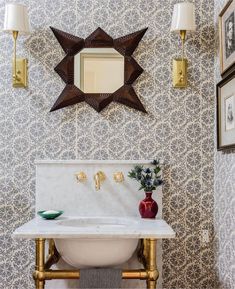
[183, 17]
[16, 18]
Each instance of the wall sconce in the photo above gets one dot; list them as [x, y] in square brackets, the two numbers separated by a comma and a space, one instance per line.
[183, 20]
[16, 22]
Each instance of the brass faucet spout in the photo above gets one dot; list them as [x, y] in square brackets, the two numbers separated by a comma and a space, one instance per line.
[99, 177]
[97, 182]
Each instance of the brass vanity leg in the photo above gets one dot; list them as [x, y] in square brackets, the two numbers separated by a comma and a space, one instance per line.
[40, 261]
[151, 264]
[53, 255]
[147, 256]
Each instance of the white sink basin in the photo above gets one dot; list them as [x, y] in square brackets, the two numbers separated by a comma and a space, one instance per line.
[97, 222]
[95, 241]
[96, 252]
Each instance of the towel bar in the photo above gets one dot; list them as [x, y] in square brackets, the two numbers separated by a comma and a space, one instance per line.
[146, 256]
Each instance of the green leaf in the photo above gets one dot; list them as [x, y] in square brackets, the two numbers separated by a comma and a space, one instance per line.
[157, 170]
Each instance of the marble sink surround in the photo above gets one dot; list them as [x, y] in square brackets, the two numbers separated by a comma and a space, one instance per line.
[126, 227]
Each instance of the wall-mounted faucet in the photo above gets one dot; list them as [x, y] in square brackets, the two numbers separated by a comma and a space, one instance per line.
[99, 177]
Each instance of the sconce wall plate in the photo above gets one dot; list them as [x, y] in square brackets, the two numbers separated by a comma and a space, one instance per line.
[180, 72]
[72, 45]
[21, 79]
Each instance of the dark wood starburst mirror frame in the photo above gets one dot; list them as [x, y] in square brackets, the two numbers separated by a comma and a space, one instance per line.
[72, 45]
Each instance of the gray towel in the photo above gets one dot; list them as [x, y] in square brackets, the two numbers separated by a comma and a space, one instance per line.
[100, 278]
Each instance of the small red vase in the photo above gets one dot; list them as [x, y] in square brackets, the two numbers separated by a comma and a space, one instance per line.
[148, 208]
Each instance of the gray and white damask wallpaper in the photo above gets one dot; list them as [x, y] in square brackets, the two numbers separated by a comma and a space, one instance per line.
[178, 128]
[224, 198]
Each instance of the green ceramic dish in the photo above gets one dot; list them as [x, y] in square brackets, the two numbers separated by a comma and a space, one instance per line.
[49, 215]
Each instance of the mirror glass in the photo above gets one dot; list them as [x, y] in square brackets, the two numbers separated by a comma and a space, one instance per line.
[98, 70]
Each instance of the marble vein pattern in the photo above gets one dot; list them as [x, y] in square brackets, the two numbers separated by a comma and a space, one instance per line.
[178, 127]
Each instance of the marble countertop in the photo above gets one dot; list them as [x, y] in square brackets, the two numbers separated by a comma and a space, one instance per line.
[61, 228]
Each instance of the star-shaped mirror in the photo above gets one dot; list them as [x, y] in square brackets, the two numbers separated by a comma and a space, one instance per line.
[98, 69]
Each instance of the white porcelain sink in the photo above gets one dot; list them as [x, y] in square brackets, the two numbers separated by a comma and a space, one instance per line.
[96, 252]
[97, 222]
[95, 241]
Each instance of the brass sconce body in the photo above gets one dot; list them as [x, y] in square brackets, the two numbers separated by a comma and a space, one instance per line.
[20, 67]
[180, 66]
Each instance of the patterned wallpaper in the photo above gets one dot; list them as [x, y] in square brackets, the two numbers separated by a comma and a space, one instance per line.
[178, 127]
[224, 199]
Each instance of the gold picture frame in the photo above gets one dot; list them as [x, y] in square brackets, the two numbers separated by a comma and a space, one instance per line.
[227, 36]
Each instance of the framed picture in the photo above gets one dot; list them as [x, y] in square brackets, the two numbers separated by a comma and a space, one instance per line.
[226, 112]
[227, 36]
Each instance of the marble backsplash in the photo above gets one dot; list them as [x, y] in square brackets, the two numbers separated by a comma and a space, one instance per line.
[58, 189]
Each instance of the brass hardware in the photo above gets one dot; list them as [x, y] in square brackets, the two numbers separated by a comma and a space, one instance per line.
[99, 178]
[81, 177]
[20, 67]
[180, 72]
[151, 266]
[42, 273]
[183, 36]
[21, 79]
[15, 35]
[118, 177]
[147, 256]
[40, 261]
[53, 255]
[75, 274]
[142, 252]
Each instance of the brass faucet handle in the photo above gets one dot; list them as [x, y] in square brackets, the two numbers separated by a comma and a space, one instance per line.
[81, 177]
[118, 177]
